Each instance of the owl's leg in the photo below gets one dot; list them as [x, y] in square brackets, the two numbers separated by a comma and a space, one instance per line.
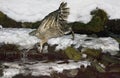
[41, 45]
[73, 35]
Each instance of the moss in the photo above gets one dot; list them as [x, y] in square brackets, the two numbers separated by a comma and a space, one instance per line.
[2, 15]
[73, 54]
[92, 53]
[110, 59]
[7, 22]
[36, 24]
[96, 24]
[31, 25]
[118, 40]
[95, 64]
[77, 26]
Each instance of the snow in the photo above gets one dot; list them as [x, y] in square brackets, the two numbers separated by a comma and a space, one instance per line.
[18, 36]
[107, 44]
[36, 10]
[9, 73]
[21, 38]
[39, 68]
[1, 27]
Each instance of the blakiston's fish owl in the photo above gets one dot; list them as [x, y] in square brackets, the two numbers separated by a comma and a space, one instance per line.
[53, 25]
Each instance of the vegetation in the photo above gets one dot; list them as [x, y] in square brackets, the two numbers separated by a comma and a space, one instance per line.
[96, 24]
[7, 22]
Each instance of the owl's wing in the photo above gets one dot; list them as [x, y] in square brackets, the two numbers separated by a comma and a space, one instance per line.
[32, 33]
[56, 19]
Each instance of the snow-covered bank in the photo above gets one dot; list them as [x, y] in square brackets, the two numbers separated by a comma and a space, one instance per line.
[35, 10]
[39, 68]
[17, 36]
[20, 37]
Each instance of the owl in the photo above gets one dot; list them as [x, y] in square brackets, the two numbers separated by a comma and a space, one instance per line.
[53, 25]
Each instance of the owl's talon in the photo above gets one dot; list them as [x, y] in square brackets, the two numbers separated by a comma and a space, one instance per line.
[37, 45]
[39, 50]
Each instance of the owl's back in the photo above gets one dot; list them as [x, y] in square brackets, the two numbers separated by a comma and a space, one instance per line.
[54, 24]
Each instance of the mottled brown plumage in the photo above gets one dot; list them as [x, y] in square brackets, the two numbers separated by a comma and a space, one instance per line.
[53, 25]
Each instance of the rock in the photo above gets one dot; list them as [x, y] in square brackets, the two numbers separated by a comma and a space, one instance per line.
[73, 54]
[113, 68]
[113, 26]
[1, 70]
[97, 23]
[31, 24]
[97, 66]
[110, 59]
[71, 73]
[92, 53]
[7, 22]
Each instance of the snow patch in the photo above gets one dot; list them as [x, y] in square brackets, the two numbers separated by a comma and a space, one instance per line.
[18, 36]
[36, 10]
[40, 68]
[107, 44]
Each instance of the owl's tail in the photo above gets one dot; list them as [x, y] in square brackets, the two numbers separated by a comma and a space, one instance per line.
[63, 11]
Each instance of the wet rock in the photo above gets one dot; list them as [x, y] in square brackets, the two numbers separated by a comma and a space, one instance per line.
[71, 73]
[113, 68]
[88, 72]
[114, 26]
[1, 70]
[110, 59]
[97, 66]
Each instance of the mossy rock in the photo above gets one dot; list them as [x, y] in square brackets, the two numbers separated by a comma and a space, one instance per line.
[8, 22]
[113, 25]
[92, 53]
[5, 21]
[110, 59]
[73, 54]
[2, 15]
[31, 25]
[118, 40]
[95, 64]
[97, 23]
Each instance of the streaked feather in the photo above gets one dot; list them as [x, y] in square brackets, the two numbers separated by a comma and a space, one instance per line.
[54, 18]
[54, 24]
